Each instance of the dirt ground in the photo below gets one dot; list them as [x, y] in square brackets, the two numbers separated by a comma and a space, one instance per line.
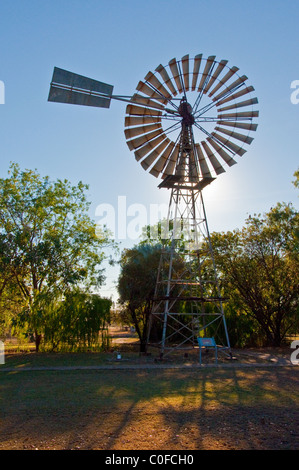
[125, 341]
[225, 408]
[236, 429]
[254, 409]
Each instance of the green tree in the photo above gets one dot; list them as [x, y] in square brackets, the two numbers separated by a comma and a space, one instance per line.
[11, 305]
[296, 181]
[136, 285]
[75, 321]
[47, 238]
[259, 268]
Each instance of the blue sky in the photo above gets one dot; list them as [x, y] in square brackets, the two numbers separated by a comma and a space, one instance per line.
[118, 42]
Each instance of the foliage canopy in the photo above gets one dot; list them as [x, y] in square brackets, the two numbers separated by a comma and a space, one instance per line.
[47, 240]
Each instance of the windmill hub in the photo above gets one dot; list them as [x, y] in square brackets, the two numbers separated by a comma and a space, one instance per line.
[185, 110]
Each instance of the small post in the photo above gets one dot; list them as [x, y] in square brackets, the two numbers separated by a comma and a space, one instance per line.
[2, 354]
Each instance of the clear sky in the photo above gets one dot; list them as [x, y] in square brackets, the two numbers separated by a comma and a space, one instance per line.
[118, 42]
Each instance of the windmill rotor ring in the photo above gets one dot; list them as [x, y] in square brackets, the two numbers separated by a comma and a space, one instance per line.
[187, 120]
[198, 107]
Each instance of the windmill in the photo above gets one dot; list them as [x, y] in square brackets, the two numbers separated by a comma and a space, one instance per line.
[186, 122]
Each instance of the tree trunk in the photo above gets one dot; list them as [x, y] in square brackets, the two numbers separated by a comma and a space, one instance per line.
[38, 339]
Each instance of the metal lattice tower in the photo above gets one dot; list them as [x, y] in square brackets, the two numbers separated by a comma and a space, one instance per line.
[182, 275]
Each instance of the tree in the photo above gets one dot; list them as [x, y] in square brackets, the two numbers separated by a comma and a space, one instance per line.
[11, 305]
[296, 181]
[47, 239]
[259, 268]
[69, 322]
[136, 285]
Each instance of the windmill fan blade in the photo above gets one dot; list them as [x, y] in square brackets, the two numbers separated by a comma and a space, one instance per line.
[185, 64]
[196, 67]
[193, 170]
[148, 146]
[234, 96]
[240, 125]
[242, 104]
[217, 72]
[167, 80]
[235, 135]
[149, 160]
[149, 91]
[176, 75]
[131, 121]
[69, 87]
[235, 148]
[215, 163]
[205, 172]
[141, 111]
[152, 79]
[138, 99]
[135, 131]
[209, 65]
[222, 82]
[234, 85]
[243, 115]
[226, 157]
[171, 162]
[181, 166]
[160, 164]
[135, 143]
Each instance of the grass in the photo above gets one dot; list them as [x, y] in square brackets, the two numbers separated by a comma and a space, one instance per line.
[31, 359]
[148, 409]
